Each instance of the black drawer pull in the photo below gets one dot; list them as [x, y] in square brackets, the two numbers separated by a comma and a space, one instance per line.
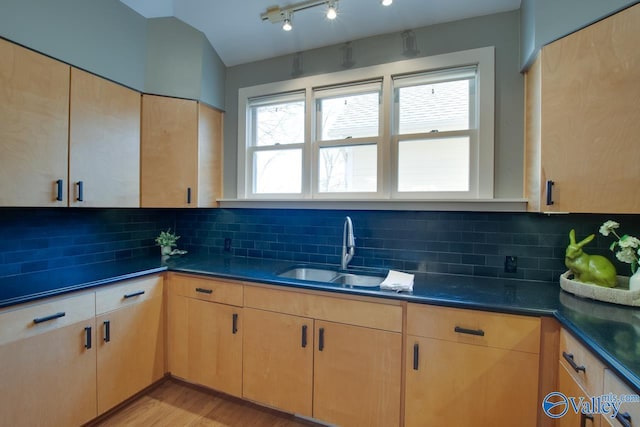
[304, 336]
[50, 317]
[584, 418]
[80, 197]
[550, 185]
[189, 195]
[107, 330]
[204, 290]
[477, 332]
[624, 418]
[234, 321]
[59, 190]
[87, 339]
[321, 339]
[416, 356]
[133, 294]
[569, 358]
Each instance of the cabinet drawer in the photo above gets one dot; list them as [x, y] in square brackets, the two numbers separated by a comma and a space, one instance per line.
[508, 331]
[214, 290]
[629, 411]
[360, 313]
[127, 293]
[26, 321]
[586, 370]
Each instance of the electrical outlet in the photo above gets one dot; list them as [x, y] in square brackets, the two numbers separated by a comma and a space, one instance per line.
[227, 244]
[510, 264]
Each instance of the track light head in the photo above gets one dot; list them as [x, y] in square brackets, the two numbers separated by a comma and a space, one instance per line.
[332, 12]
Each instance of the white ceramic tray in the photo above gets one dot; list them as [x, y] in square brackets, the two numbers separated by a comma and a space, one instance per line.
[618, 295]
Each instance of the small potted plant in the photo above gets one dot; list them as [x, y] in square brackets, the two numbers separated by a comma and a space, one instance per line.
[166, 240]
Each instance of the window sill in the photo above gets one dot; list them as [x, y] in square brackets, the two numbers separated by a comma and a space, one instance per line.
[479, 205]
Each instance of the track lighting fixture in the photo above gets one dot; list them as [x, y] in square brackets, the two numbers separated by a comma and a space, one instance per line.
[275, 14]
[286, 25]
[332, 12]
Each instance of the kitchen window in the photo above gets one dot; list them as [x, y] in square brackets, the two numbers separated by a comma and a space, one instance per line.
[418, 129]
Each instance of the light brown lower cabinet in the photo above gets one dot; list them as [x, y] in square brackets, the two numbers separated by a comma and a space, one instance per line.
[130, 347]
[468, 367]
[48, 363]
[278, 360]
[322, 356]
[570, 388]
[215, 346]
[205, 332]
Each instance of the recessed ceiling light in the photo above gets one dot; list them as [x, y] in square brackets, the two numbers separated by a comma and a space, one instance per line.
[387, 2]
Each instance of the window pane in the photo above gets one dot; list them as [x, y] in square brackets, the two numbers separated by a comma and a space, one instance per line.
[278, 123]
[438, 106]
[350, 116]
[434, 164]
[349, 168]
[277, 171]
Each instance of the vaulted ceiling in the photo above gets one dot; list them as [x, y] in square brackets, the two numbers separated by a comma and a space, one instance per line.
[235, 30]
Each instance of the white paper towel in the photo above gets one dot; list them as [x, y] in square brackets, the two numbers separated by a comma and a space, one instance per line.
[398, 281]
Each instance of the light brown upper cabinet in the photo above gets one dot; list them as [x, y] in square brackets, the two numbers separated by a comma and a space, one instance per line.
[583, 120]
[104, 143]
[34, 127]
[181, 153]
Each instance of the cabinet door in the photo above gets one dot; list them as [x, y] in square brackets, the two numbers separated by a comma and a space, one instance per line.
[357, 375]
[570, 388]
[278, 360]
[130, 351]
[49, 379]
[104, 143]
[215, 346]
[169, 152]
[584, 139]
[34, 126]
[209, 156]
[449, 383]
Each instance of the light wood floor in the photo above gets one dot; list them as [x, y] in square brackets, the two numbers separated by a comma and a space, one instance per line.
[175, 404]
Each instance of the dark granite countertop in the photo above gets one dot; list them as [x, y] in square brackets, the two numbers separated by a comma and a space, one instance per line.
[611, 331]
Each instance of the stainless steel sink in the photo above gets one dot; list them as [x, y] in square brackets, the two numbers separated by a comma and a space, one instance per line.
[313, 274]
[348, 279]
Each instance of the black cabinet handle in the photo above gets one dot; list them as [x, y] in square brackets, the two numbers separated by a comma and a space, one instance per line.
[134, 294]
[188, 195]
[87, 337]
[416, 356]
[624, 418]
[569, 358]
[107, 330]
[59, 185]
[321, 339]
[234, 326]
[550, 185]
[80, 197]
[584, 418]
[204, 291]
[477, 332]
[50, 317]
[304, 336]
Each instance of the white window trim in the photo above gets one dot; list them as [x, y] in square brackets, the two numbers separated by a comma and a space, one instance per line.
[483, 174]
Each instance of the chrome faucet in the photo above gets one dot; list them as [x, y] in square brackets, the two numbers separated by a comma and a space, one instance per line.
[348, 243]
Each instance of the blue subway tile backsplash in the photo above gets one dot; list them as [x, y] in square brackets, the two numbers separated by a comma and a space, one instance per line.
[469, 243]
[40, 239]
